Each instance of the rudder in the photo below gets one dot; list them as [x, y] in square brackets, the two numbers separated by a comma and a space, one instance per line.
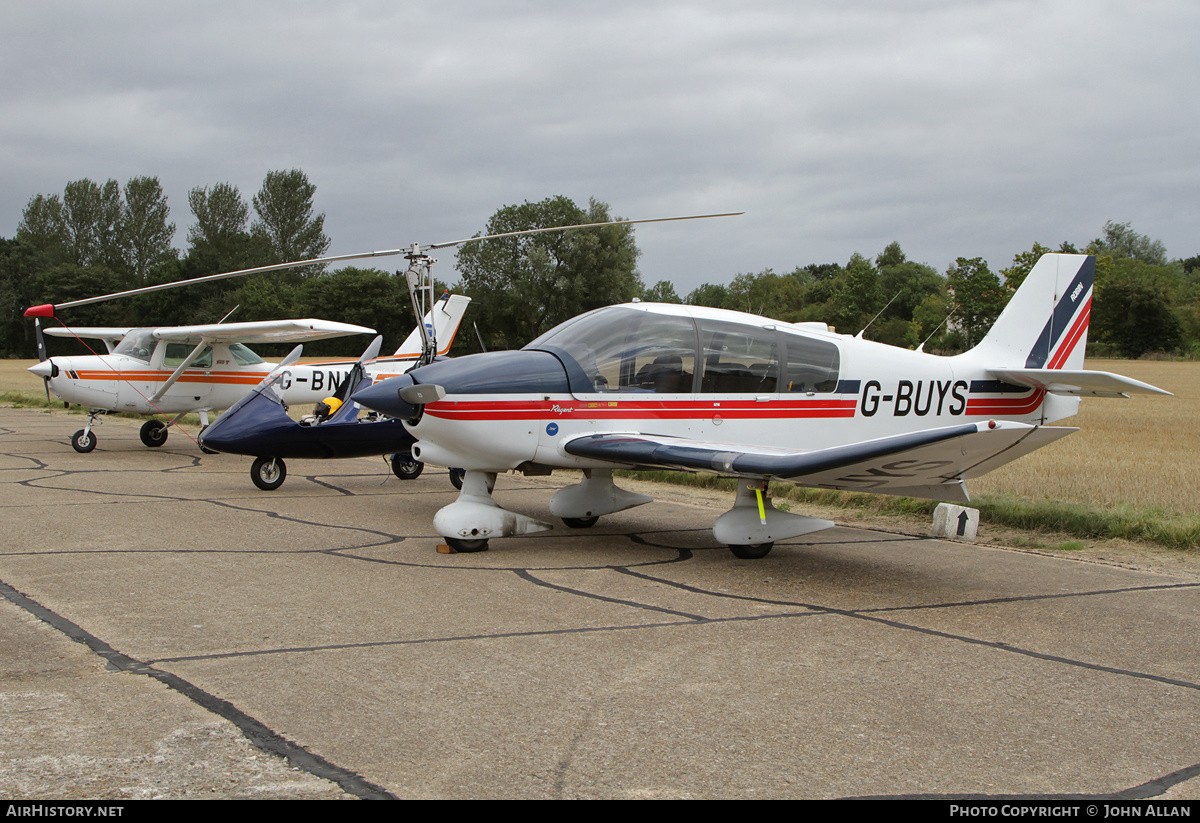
[1044, 325]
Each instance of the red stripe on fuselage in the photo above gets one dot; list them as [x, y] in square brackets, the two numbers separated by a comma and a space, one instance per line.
[224, 378]
[1006, 407]
[642, 410]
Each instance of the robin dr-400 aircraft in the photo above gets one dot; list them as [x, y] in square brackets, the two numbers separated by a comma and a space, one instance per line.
[652, 386]
[181, 370]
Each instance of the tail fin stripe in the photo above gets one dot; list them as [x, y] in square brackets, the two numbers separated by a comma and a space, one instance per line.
[1060, 320]
[1077, 331]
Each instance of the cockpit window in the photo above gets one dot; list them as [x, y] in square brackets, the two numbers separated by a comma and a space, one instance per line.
[812, 365]
[243, 355]
[176, 353]
[628, 350]
[138, 344]
[738, 358]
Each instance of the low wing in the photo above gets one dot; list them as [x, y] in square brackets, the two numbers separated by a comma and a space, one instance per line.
[267, 331]
[1077, 382]
[108, 333]
[931, 463]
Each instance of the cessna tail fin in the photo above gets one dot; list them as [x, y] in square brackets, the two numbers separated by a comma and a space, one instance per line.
[1044, 325]
[444, 318]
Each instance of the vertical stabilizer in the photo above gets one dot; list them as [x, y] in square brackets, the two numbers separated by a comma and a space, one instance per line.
[1044, 325]
[443, 319]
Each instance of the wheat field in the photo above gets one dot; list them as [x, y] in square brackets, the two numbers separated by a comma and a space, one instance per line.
[1144, 451]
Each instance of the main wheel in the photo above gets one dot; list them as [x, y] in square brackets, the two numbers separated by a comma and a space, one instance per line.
[456, 478]
[83, 441]
[268, 473]
[154, 433]
[580, 522]
[753, 552]
[405, 467]
[466, 546]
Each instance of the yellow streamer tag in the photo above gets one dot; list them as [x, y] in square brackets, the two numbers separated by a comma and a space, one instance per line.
[762, 512]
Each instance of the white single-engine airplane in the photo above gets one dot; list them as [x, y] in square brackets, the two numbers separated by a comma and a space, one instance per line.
[651, 386]
[181, 370]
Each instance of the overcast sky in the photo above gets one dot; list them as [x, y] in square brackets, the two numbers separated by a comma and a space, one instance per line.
[957, 128]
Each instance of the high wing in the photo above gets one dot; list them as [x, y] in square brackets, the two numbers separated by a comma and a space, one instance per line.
[107, 333]
[1077, 382]
[267, 331]
[931, 463]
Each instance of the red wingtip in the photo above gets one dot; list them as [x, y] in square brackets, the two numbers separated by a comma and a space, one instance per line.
[40, 311]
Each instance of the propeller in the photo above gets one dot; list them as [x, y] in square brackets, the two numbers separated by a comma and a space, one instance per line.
[42, 358]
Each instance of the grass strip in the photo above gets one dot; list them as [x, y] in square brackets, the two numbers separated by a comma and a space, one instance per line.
[1159, 526]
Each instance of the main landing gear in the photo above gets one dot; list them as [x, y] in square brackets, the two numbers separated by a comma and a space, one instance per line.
[474, 517]
[153, 432]
[750, 529]
[752, 526]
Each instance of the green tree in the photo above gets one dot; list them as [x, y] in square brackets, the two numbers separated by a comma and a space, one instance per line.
[713, 295]
[20, 263]
[145, 235]
[855, 295]
[528, 284]
[366, 297]
[1133, 314]
[286, 225]
[219, 240]
[43, 228]
[978, 298]
[1120, 241]
[1023, 263]
[661, 292]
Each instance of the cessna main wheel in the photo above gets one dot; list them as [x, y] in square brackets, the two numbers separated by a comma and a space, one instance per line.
[405, 467]
[268, 473]
[753, 552]
[154, 432]
[83, 441]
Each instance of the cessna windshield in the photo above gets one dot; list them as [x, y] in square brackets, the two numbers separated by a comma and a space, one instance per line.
[630, 350]
[138, 344]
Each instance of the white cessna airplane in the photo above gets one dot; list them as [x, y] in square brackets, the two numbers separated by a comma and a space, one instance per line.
[649, 386]
[179, 370]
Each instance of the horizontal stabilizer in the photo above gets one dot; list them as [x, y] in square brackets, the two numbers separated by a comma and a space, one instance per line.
[1077, 382]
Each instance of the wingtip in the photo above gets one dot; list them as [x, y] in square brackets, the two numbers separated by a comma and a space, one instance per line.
[46, 310]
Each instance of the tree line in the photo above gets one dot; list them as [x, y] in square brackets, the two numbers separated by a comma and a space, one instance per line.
[95, 239]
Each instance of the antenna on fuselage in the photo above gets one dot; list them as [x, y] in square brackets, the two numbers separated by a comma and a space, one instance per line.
[876, 317]
[921, 347]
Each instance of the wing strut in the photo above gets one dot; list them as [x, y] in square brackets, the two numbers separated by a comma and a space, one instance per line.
[174, 378]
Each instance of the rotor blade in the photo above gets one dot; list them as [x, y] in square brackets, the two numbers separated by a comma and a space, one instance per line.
[38, 310]
[581, 226]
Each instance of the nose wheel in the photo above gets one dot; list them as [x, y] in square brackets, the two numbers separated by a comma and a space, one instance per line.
[83, 441]
[268, 473]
